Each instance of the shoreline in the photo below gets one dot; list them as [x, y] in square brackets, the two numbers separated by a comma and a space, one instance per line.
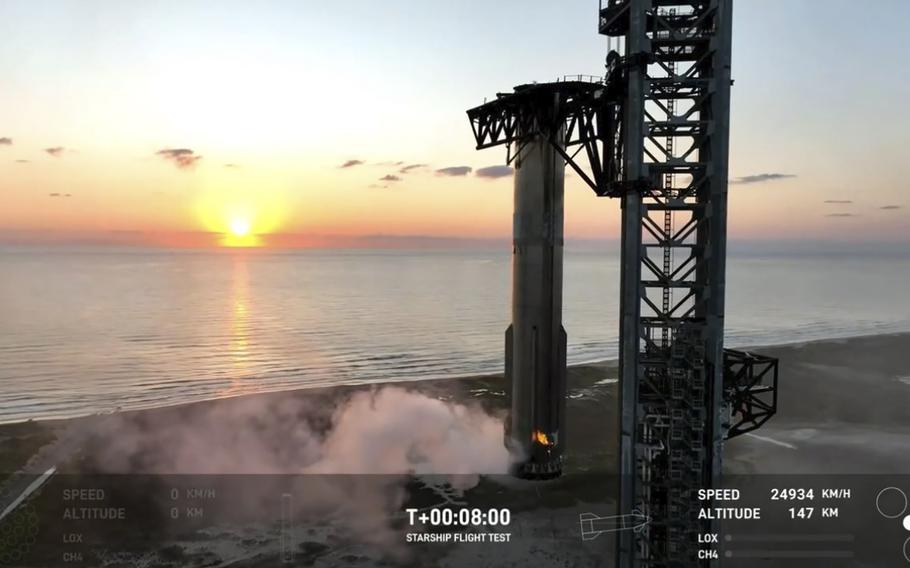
[836, 395]
[403, 382]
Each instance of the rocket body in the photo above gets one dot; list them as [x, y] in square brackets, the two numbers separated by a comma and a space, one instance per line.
[536, 340]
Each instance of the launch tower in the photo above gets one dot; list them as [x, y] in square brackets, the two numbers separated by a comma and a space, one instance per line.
[653, 133]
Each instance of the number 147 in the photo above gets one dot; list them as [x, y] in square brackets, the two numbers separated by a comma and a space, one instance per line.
[801, 512]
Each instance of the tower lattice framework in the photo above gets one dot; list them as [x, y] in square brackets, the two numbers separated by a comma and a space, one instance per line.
[676, 129]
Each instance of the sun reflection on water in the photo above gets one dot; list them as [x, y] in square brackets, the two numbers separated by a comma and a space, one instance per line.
[239, 345]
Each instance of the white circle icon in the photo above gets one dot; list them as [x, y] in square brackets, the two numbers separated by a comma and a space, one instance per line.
[891, 503]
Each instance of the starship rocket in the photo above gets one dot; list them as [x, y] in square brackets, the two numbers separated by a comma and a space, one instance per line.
[535, 349]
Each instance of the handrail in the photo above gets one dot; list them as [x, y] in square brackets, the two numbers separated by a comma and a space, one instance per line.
[580, 78]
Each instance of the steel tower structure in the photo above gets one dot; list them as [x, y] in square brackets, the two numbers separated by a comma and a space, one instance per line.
[654, 133]
[674, 227]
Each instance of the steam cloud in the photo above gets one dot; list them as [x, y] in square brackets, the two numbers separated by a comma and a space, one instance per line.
[395, 431]
[389, 430]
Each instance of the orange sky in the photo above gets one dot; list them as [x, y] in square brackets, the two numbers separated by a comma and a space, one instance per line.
[166, 125]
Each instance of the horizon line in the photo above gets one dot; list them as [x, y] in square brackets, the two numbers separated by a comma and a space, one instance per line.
[285, 241]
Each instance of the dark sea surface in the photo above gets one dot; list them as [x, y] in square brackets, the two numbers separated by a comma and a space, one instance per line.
[91, 330]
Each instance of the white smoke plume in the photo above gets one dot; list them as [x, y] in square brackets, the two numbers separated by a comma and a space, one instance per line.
[392, 431]
[388, 430]
[396, 431]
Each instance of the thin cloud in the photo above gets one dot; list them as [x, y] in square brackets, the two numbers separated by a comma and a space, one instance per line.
[390, 163]
[22, 161]
[53, 195]
[351, 164]
[493, 172]
[183, 158]
[390, 177]
[761, 178]
[454, 171]
[232, 166]
[890, 207]
[55, 151]
[6, 141]
[411, 167]
[841, 215]
[838, 201]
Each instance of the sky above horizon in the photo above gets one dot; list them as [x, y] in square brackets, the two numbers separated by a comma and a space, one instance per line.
[306, 120]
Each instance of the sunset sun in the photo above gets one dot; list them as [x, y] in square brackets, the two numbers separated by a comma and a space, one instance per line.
[240, 233]
[240, 227]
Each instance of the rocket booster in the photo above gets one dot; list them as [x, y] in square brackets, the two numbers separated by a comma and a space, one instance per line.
[535, 349]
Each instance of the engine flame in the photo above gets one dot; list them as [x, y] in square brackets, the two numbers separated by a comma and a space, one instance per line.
[541, 438]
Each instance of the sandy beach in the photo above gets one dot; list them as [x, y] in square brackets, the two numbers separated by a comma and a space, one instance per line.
[842, 409]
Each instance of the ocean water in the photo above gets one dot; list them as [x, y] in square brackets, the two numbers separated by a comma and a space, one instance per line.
[91, 330]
